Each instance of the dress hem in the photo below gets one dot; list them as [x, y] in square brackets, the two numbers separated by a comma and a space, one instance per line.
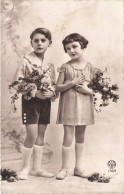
[75, 124]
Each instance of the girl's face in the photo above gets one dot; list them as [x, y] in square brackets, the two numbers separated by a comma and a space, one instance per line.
[74, 50]
[40, 43]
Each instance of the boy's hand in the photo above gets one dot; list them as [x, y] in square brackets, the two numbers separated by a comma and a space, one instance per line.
[48, 94]
[39, 94]
[78, 80]
[55, 96]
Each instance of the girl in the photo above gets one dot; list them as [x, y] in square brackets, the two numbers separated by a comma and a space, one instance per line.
[76, 101]
[36, 112]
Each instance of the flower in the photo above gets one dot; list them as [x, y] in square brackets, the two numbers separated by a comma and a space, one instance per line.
[101, 85]
[28, 85]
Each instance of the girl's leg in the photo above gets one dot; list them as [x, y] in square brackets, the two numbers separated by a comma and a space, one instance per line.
[79, 146]
[67, 141]
[27, 149]
[38, 151]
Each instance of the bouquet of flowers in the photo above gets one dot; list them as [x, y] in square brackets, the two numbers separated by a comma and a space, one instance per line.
[9, 175]
[29, 85]
[100, 178]
[101, 85]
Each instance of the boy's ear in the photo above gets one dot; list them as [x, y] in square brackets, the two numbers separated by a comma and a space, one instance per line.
[31, 43]
[50, 42]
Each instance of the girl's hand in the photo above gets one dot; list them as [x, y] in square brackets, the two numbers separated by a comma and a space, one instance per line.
[83, 89]
[78, 80]
[39, 94]
[48, 94]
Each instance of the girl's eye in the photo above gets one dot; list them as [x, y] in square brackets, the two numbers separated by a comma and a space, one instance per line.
[67, 49]
[74, 46]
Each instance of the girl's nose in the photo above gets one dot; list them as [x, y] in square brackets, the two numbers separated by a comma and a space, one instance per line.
[71, 50]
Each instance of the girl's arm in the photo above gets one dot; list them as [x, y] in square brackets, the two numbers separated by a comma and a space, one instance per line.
[61, 87]
[83, 89]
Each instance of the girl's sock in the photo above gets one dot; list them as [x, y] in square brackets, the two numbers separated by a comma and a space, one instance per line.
[37, 156]
[65, 156]
[26, 156]
[78, 155]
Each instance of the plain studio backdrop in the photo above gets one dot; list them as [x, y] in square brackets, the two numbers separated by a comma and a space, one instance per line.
[101, 22]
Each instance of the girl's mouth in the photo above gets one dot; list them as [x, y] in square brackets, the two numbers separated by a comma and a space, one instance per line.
[39, 48]
[73, 55]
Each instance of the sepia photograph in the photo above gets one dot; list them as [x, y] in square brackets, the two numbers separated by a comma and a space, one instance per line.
[62, 97]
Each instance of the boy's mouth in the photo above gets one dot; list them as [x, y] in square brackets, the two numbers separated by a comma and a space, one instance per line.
[39, 48]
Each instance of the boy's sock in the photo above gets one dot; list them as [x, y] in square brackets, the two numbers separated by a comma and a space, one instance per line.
[78, 155]
[37, 156]
[26, 156]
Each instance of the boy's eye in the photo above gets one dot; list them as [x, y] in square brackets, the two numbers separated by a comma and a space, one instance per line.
[37, 40]
[43, 40]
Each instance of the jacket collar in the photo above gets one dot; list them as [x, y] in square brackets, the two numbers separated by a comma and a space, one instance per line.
[36, 62]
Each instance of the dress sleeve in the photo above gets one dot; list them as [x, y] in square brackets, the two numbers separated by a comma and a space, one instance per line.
[93, 71]
[62, 68]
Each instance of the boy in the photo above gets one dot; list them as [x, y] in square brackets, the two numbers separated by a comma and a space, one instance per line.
[36, 111]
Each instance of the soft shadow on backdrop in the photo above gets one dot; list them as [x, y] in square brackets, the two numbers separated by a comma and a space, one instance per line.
[101, 22]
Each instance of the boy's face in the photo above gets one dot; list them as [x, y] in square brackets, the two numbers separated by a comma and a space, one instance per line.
[40, 43]
[74, 49]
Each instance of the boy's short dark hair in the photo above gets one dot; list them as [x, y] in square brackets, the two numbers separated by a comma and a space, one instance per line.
[75, 37]
[43, 31]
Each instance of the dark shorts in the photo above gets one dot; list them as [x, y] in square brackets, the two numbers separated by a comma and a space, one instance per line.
[36, 111]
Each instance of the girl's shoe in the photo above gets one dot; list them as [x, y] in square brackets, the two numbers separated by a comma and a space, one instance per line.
[41, 173]
[81, 173]
[62, 174]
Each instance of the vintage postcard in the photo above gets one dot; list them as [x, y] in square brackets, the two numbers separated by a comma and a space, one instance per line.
[62, 97]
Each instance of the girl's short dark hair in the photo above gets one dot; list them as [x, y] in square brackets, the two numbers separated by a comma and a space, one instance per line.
[75, 37]
[43, 31]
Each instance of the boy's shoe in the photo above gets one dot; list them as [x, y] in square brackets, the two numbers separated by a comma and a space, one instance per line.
[81, 173]
[62, 174]
[41, 173]
[23, 175]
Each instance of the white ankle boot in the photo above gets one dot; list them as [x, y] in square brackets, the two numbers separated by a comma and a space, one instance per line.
[36, 169]
[27, 152]
[65, 160]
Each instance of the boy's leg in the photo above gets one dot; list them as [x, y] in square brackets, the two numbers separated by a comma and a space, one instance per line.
[27, 150]
[79, 146]
[38, 151]
[68, 139]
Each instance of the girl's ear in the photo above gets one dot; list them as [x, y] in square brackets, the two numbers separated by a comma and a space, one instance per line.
[50, 42]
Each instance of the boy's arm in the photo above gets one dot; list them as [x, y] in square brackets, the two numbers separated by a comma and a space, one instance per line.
[20, 72]
[53, 76]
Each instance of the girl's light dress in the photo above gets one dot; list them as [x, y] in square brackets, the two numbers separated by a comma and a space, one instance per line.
[76, 108]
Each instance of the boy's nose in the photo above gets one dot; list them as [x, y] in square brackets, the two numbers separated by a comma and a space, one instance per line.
[39, 43]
